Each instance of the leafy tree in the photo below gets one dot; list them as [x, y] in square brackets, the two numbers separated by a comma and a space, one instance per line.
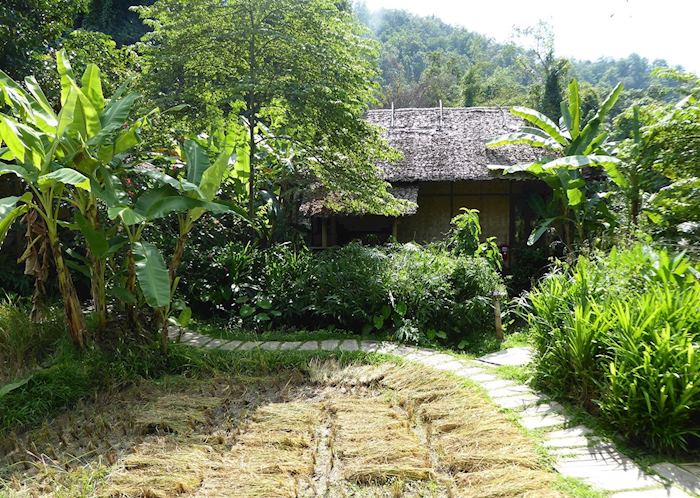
[29, 27]
[303, 69]
[116, 19]
[574, 147]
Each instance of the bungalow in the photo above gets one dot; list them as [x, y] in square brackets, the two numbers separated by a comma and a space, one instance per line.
[444, 168]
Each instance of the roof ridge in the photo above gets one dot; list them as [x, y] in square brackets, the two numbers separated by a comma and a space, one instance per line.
[474, 108]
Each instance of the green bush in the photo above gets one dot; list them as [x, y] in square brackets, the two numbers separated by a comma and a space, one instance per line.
[619, 336]
[413, 292]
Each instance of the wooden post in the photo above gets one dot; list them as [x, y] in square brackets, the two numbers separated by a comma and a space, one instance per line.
[395, 229]
[497, 296]
[324, 232]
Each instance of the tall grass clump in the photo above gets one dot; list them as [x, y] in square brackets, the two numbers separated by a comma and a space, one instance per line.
[23, 343]
[620, 336]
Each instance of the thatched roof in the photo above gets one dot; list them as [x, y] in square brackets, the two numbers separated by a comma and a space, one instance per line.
[449, 145]
[315, 203]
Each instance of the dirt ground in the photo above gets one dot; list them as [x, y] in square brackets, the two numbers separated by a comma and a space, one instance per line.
[360, 431]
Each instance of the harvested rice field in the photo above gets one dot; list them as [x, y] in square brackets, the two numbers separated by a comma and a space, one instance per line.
[383, 430]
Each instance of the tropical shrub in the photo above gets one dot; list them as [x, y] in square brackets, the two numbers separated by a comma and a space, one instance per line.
[619, 336]
[405, 290]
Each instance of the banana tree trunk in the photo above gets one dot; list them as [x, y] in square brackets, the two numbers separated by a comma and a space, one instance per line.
[97, 277]
[177, 255]
[74, 314]
[131, 309]
[36, 261]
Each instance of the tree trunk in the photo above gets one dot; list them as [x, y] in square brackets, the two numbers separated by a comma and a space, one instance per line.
[177, 255]
[74, 314]
[131, 309]
[97, 276]
[163, 332]
[36, 261]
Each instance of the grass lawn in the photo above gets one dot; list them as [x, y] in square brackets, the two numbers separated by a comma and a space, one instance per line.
[283, 424]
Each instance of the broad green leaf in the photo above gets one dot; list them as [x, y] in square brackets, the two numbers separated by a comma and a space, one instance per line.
[183, 320]
[97, 240]
[610, 101]
[116, 113]
[65, 176]
[574, 109]
[524, 138]
[9, 212]
[535, 168]
[265, 304]
[618, 178]
[541, 121]
[122, 294]
[575, 162]
[246, 311]
[197, 161]
[44, 116]
[152, 274]
[66, 72]
[214, 175]
[539, 230]
[13, 386]
[163, 201]
[575, 196]
[11, 136]
[86, 119]
[67, 113]
[126, 141]
[15, 170]
[127, 215]
[92, 86]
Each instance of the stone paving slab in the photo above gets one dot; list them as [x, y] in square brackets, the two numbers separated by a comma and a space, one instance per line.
[483, 377]
[520, 402]
[231, 345]
[349, 345]
[570, 442]
[195, 340]
[290, 346]
[309, 346]
[579, 430]
[679, 475]
[247, 346]
[215, 344]
[498, 384]
[652, 493]
[503, 392]
[270, 346]
[543, 421]
[608, 479]
[369, 346]
[329, 344]
[509, 357]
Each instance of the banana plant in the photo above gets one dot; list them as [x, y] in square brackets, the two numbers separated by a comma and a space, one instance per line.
[569, 147]
[94, 148]
[35, 146]
[188, 197]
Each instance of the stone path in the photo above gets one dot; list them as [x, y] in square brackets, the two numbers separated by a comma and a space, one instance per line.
[576, 451]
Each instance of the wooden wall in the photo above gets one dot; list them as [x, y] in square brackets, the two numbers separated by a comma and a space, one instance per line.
[439, 202]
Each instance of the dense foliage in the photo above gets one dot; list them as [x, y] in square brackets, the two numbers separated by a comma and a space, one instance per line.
[618, 335]
[405, 290]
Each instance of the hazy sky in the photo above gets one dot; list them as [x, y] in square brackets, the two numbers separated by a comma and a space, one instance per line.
[585, 29]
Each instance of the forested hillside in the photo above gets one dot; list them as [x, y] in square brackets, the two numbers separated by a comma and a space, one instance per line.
[424, 60]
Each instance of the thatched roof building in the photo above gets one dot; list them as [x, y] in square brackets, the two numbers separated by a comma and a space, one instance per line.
[444, 168]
